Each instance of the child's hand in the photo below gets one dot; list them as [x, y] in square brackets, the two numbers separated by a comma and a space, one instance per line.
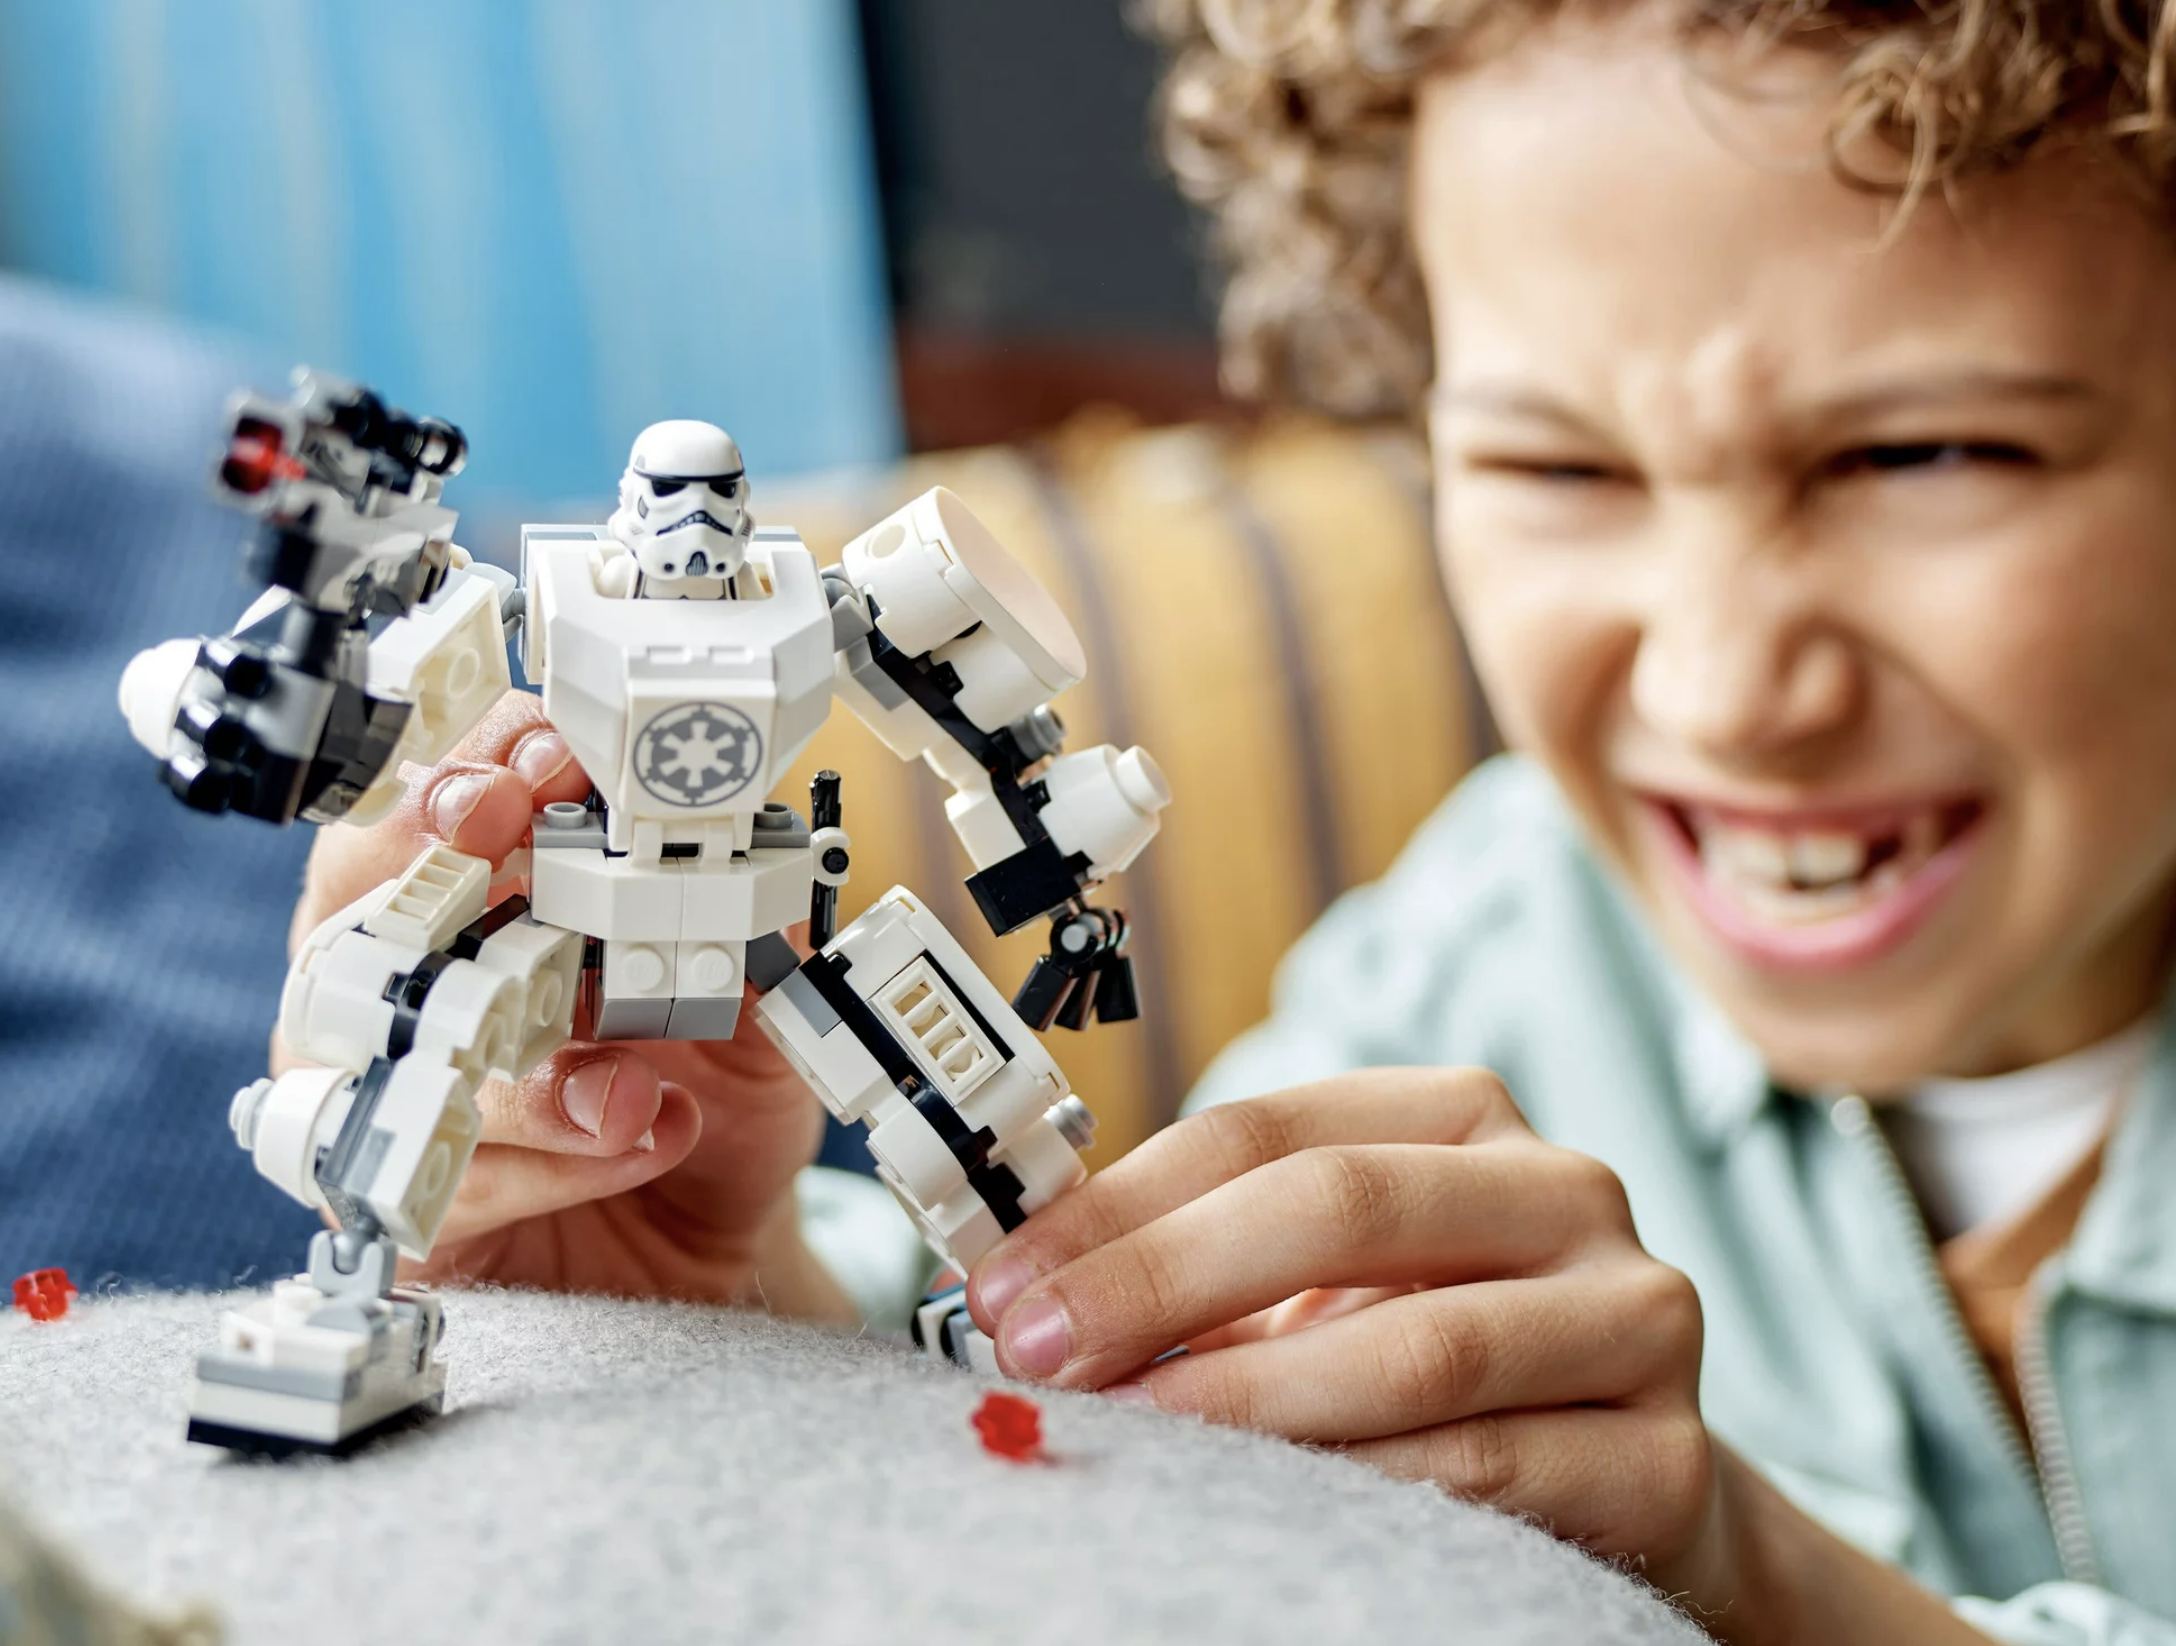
[1476, 1307]
[637, 1168]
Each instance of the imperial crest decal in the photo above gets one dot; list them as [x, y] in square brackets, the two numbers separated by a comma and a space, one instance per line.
[698, 754]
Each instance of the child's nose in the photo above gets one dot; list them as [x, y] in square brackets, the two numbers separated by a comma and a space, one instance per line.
[1734, 663]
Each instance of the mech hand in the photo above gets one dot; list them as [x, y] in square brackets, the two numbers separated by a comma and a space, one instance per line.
[1394, 1265]
[653, 1168]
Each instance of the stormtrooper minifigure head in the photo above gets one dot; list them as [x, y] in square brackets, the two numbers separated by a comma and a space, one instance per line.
[684, 502]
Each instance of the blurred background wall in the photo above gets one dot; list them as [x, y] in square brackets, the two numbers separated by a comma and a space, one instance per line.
[837, 228]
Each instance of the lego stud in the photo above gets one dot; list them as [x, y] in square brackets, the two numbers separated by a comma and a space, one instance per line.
[1141, 780]
[1010, 1427]
[1076, 1123]
[44, 1294]
[712, 970]
[565, 814]
[645, 968]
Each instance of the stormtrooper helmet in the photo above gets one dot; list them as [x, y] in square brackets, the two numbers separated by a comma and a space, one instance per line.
[684, 502]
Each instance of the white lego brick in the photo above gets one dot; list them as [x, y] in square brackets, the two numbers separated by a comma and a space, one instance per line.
[1013, 1099]
[922, 1011]
[428, 1115]
[448, 659]
[980, 820]
[836, 1065]
[1044, 1162]
[274, 1333]
[981, 1352]
[585, 891]
[937, 571]
[739, 898]
[1105, 805]
[879, 944]
[625, 680]
[545, 963]
[710, 970]
[439, 893]
[913, 1157]
[286, 1123]
[959, 1231]
[472, 1021]
[151, 691]
[333, 1008]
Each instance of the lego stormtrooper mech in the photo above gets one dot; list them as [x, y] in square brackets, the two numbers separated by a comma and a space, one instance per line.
[687, 657]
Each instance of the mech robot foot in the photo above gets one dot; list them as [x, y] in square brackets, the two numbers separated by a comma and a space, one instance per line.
[328, 1362]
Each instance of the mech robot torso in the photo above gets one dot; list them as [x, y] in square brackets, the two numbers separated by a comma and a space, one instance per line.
[684, 712]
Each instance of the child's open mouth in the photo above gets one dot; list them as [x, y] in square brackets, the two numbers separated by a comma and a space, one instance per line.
[1807, 890]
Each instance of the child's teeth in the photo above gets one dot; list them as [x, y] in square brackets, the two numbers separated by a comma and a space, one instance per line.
[1777, 904]
[1824, 859]
[1748, 854]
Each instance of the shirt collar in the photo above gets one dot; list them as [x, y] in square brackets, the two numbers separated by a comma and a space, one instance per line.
[2124, 1249]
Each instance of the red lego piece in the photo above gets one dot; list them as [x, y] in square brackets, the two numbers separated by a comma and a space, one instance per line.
[1009, 1426]
[44, 1294]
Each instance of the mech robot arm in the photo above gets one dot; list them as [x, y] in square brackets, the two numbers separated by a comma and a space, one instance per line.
[376, 642]
[951, 652]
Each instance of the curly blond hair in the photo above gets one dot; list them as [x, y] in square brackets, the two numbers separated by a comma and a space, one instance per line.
[1290, 120]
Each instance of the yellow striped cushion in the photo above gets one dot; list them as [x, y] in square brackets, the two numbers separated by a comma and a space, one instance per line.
[1263, 612]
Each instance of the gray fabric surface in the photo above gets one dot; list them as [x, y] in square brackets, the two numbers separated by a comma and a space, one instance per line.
[638, 1472]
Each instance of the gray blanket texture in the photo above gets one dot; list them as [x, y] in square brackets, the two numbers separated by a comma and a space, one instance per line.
[634, 1472]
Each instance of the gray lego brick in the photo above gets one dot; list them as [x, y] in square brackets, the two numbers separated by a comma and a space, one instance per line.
[771, 960]
[549, 832]
[642, 1018]
[707, 1019]
[214, 1366]
[861, 664]
[810, 1003]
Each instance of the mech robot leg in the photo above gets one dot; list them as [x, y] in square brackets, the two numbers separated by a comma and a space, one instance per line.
[969, 1118]
[411, 998]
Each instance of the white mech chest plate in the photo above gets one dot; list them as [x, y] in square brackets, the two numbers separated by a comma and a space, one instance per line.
[680, 710]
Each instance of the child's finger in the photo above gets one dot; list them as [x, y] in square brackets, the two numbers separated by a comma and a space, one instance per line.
[1380, 1214]
[1596, 1476]
[584, 1099]
[509, 1184]
[480, 801]
[1596, 1334]
[1313, 1307]
[1221, 1144]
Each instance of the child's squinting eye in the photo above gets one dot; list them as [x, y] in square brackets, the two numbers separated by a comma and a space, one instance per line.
[1910, 456]
[1565, 473]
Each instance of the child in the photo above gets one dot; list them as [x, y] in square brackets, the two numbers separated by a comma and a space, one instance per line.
[1804, 409]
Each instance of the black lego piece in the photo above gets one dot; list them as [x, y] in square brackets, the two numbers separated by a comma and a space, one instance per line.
[273, 1448]
[825, 809]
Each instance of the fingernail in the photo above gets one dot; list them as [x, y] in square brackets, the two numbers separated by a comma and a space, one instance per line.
[1130, 1394]
[647, 1142]
[582, 1094]
[1037, 1338]
[1000, 1283]
[541, 757]
[456, 798]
